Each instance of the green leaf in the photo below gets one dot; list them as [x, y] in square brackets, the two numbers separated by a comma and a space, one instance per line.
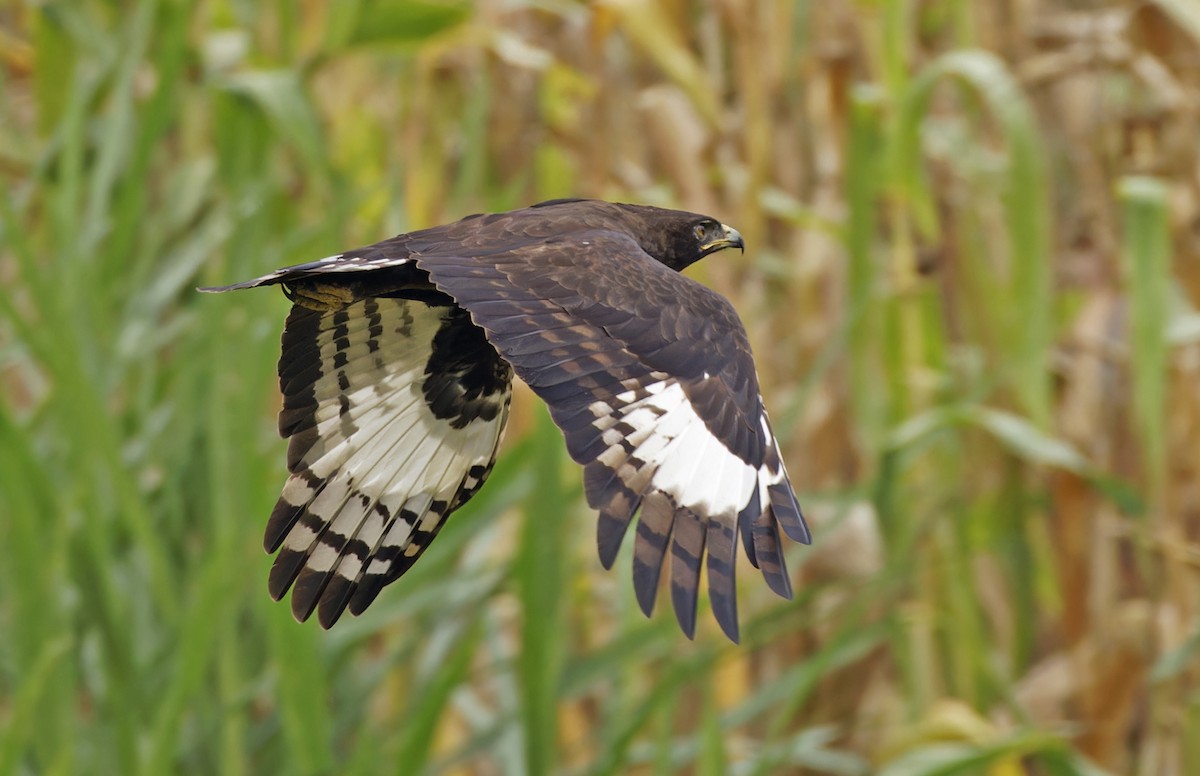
[1028, 310]
[392, 22]
[282, 98]
[951, 759]
[1147, 265]
[21, 711]
[447, 666]
[1026, 440]
[540, 573]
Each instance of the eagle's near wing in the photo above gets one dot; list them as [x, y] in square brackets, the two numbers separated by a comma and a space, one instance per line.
[651, 379]
[396, 373]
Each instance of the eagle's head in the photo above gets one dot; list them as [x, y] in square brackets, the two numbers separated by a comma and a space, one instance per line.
[676, 238]
[680, 239]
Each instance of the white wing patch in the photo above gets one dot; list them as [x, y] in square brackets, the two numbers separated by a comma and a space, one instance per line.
[674, 450]
[375, 472]
[695, 495]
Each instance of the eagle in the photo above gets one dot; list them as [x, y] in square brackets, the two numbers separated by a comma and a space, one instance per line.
[396, 373]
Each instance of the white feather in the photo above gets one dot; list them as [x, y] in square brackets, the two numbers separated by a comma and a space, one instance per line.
[687, 461]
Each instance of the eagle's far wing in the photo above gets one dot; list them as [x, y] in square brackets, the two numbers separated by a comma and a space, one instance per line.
[394, 409]
[348, 264]
[649, 376]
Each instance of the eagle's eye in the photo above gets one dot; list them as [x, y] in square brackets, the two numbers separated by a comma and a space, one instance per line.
[701, 232]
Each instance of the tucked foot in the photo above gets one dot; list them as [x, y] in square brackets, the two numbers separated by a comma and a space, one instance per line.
[321, 296]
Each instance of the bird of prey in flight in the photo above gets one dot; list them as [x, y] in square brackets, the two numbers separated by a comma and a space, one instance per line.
[396, 375]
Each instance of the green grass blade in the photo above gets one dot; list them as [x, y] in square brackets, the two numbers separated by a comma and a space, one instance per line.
[1147, 268]
[447, 667]
[540, 572]
[1027, 313]
[22, 712]
[711, 758]
[865, 277]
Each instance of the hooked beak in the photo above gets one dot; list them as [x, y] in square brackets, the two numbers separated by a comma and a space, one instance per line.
[729, 238]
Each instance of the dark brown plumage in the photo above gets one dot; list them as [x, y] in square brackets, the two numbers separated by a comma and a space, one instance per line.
[396, 369]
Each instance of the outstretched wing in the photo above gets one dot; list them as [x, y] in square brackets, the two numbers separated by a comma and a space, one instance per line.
[650, 377]
[394, 408]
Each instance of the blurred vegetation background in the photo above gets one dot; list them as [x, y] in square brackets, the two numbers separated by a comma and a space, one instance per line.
[974, 261]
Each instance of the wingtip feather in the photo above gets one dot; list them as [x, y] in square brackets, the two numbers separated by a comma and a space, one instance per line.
[787, 512]
[306, 593]
[287, 566]
[687, 552]
[722, 578]
[770, 555]
[653, 535]
[334, 600]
